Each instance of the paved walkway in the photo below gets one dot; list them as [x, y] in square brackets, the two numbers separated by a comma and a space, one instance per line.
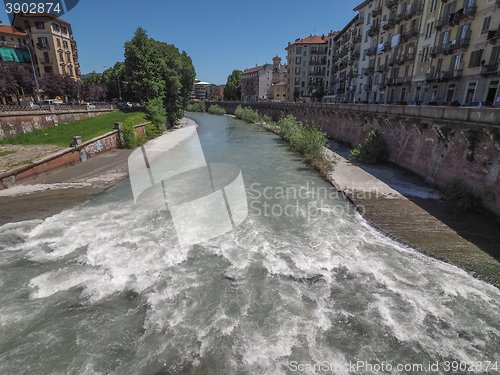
[17, 156]
[402, 206]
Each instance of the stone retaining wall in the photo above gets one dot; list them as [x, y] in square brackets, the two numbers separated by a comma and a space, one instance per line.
[67, 157]
[12, 123]
[440, 144]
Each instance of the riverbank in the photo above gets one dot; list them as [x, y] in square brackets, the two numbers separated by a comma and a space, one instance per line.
[403, 207]
[43, 195]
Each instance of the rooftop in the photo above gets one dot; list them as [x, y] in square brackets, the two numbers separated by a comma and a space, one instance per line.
[5, 29]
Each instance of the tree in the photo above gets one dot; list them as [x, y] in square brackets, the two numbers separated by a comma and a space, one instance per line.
[16, 80]
[157, 70]
[144, 68]
[63, 86]
[114, 79]
[232, 91]
[155, 112]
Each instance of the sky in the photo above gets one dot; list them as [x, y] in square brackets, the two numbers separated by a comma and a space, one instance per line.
[219, 35]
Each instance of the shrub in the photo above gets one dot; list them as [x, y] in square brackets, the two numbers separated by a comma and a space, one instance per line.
[196, 107]
[307, 139]
[152, 131]
[464, 198]
[247, 114]
[129, 138]
[155, 112]
[216, 110]
[373, 150]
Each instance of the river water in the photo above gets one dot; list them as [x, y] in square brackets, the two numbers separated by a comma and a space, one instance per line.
[107, 289]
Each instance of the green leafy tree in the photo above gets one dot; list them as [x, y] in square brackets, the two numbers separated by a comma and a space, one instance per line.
[155, 112]
[232, 91]
[157, 70]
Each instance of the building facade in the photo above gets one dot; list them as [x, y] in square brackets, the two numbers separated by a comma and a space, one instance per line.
[279, 81]
[345, 66]
[307, 73]
[256, 83]
[52, 44]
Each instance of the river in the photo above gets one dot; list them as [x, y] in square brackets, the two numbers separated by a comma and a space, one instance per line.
[106, 288]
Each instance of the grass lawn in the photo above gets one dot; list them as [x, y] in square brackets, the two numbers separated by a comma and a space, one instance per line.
[89, 128]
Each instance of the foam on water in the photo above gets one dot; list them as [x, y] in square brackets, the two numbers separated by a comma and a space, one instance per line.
[110, 282]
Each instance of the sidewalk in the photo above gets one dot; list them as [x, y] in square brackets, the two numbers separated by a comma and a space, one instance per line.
[403, 207]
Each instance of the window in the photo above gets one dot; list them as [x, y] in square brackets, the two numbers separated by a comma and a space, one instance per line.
[46, 57]
[58, 42]
[486, 25]
[424, 56]
[48, 69]
[434, 5]
[475, 58]
[368, 19]
[451, 92]
[40, 25]
[65, 44]
[43, 42]
[428, 31]
[471, 90]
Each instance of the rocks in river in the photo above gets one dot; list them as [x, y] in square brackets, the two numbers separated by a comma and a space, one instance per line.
[130, 295]
[304, 279]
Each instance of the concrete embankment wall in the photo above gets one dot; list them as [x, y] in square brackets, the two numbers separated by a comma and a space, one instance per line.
[22, 122]
[440, 144]
[68, 157]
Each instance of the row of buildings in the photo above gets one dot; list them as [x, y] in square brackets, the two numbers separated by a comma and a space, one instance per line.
[207, 91]
[398, 51]
[43, 38]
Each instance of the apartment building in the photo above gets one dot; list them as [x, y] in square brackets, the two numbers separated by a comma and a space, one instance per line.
[52, 43]
[345, 67]
[465, 55]
[433, 51]
[307, 61]
[14, 45]
[256, 83]
[279, 81]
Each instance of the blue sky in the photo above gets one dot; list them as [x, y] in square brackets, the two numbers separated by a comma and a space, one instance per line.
[219, 35]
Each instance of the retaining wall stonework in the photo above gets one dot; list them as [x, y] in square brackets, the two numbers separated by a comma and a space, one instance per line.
[440, 144]
[68, 157]
[12, 123]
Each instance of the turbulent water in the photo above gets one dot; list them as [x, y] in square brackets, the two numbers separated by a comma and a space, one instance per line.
[106, 288]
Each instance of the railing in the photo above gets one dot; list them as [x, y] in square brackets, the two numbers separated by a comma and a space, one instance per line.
[490, 69]
[391, 3]
[389, 24]
[57, 108]
[374, 29]
[377, 11]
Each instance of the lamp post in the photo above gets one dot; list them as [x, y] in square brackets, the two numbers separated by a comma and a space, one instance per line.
[34, 71]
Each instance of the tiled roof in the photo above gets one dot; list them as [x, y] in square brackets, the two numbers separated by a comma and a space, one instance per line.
[312, 39]
[4, 29]
[253, 70]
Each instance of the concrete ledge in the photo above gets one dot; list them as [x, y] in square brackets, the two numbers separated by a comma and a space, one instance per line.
[61, 158]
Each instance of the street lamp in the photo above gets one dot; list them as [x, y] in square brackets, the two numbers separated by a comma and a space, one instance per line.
[33, 67]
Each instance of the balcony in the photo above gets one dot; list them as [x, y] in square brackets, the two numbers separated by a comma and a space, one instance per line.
[367, 71]
[465, 13]
[494, 35]
[444, 20]
[389, 24]
[452, 45]
[391, 3]
[400, 17]
[491, 68]
[415, 8]
[374, 29]
[407, 35]
[371, 51]
[42, 46]
[377, 11]
[387, 46]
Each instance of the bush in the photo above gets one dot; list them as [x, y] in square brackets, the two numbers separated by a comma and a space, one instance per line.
[247, 114]
[373, 150]
[307, 139]
[129, 138]
[155, 112]
[152, 131]
[463, 197]
[196, 107]
[216, 110]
